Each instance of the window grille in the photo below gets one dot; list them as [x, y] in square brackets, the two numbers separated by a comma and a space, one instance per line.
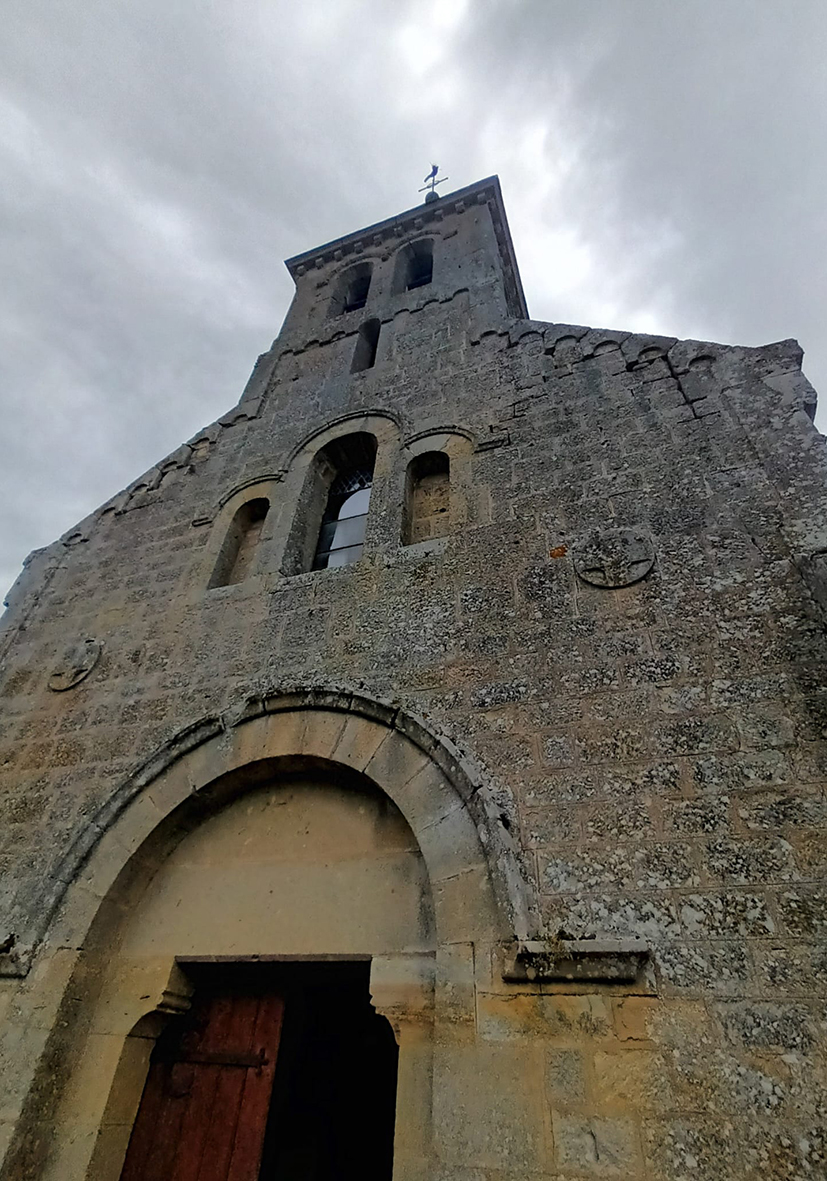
[342, 534]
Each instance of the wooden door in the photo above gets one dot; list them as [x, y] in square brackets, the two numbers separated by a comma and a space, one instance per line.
[204, 1109]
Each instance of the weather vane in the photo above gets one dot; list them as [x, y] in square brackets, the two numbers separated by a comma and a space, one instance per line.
[431, 183]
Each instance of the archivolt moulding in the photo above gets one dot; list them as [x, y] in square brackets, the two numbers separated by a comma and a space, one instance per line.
[332, 430]
[452, 431]
[378, 732]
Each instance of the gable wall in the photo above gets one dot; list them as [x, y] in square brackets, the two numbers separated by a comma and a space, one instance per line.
[657, 750]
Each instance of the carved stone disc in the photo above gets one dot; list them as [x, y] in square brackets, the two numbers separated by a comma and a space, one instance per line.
[614, 557]
[76, 663]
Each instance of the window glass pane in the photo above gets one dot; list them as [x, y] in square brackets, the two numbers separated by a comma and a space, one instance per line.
[351, 531]
[343, 525]
[326, 535]
[355, 505]
[344, 557]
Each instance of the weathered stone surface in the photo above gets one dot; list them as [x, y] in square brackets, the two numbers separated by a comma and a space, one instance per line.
[598, 1147]
[75, 665]
[606, 637]
[614, 557]
[565, 1077]
[768, 1027]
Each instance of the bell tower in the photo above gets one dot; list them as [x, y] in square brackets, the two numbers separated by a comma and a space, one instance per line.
[355, 296]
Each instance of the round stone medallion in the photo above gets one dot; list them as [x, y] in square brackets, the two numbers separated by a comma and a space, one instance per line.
[614, 558]
[75, 664]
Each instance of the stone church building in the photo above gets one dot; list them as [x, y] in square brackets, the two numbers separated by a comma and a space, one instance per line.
[420, 774]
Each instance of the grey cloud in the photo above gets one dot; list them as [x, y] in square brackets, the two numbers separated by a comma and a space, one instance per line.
[663, 167]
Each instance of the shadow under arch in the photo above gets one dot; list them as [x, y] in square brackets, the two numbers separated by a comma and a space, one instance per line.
[454, 816]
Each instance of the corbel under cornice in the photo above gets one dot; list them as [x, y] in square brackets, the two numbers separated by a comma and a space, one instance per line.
[416, 220]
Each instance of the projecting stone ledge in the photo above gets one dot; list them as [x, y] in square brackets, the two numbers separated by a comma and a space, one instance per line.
[576, 959]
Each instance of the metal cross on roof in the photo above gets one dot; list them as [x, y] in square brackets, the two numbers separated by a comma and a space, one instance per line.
[431, 183]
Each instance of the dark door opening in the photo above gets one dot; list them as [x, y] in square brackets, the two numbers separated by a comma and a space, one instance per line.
[278, 1072]
[334, 1103]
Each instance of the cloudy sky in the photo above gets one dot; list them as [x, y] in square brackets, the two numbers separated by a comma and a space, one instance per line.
[664, 166]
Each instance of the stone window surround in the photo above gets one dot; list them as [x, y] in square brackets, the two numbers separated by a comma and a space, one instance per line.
[284, 538]
[320, 316]
[344, 284]
[240, 549]
[387, 267]
[459, 449]
[403, 261]
[265, 488]
[365, 349]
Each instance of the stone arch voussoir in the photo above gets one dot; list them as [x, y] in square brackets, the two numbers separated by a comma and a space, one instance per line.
[452, 812]
[379, 422]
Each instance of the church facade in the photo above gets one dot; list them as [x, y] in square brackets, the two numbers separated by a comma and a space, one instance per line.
[421, 772]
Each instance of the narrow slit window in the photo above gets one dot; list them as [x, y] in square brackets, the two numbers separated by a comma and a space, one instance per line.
[238, 552]
[357, 294]
[428, 497]
[421, 266]
[367, 341]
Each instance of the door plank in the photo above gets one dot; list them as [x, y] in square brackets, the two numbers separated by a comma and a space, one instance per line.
[258, 1088]
[220, 1028]
[175, 1079]
[207, 1092]
[146, 1123]
[178, 1082]
[228, 1098]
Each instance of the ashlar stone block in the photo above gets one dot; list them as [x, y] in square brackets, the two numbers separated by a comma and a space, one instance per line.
[598, 1147]
[487, 1107]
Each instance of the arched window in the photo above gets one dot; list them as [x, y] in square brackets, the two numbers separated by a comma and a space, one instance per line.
[414, 266]
[346, 466]
[237, 553]
[428, 496]
[352, 289]
[364, 355]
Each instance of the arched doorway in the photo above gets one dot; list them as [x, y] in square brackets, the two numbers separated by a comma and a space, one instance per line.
[303, 835]
[273, 907]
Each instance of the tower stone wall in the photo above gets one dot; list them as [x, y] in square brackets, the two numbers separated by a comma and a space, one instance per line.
[614, 653]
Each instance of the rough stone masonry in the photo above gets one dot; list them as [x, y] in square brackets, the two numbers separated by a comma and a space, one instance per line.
[603, 644]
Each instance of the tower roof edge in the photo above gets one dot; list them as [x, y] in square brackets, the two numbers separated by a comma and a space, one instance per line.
[482, 192]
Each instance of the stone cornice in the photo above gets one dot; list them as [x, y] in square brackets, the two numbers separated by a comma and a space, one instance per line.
[483, 192]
